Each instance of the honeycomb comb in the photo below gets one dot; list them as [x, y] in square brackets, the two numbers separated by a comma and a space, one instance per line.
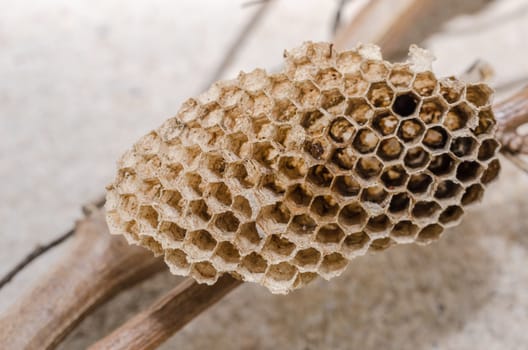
[280, 178]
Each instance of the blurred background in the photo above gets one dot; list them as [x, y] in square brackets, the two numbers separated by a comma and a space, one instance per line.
[80, 81]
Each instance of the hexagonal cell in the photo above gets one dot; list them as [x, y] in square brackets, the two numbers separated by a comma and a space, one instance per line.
[177, 261]
[405, 104]
[292, 167]
[457, 117]
[385, 123]
[424, 83]
[264, 153]
[332, 265]
[416, 158]
[204, 272]
[231, 96]
[319, 175]
[410, 130]
[193, 185]
[299, 194]
[348, 61]
[277, 248]
[401, 76]
[346, 186]
[394, 176]
[341, 130]
[263, 128]
[302, 225]
[328, 78]
[200, 244]
[472, 194]
[451, 215]
[451, 89]
[403, 229]
[442, 164]
[374, 194]
[171, 231]
[317, 148]
[429, 233]
[237, 143]
[283, 111]
[468, 171]
[314, 122]
[254, 263]
[282, 87]
[491, 172]
[281, 272]
[199, 209]
[151, 244]
[399, 203]
[227, 254]
[248, 238]
[487, 149]
[214, 164]
[432, 111]
[344, 158]
[379, 223]
[307, 258]
[149, 190]
[239, 172]
[262, 104]
[333, 102]
[148, 217]
[303, 278]
[374, 70]
[308, 93]
[381, 244]
[463, 146]
[419, 183]
[380, 95]
[226, 222]
[329, 234]
[241, 206]
[324, 206]
[128, 205]
[359, 110]
[273, 218]
[355, 85]
[353, 216]
[368, 167]
[436, 138]
[486, 122]
[479, 94]
[287, 136]
[221, 193]
[425, 209]
[354, 242]
[447, 189]
[390, 149]
[214, 137]
[170, 174]
[365, 141]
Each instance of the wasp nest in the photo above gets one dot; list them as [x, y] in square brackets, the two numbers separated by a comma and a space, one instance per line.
[280, 178]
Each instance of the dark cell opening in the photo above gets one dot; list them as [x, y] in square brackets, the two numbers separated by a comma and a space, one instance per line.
[405, 105]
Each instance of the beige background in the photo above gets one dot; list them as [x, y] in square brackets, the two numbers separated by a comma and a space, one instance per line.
[80, 81]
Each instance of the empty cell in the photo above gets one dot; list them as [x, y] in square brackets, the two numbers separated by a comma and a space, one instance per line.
[419, 183]
[430, 233]
[148, 145]
[281, 87]
[324, 206]
[263, 128]
[177, 261]
[316, 148]
[151, 244]
[404, 228]
[401, 76]
[262, 104]
[355, 241]
[451, 89]
[442, 164]
[399, 203]
[314, 122]
[381, 244]
[170, 174]
[299, 194]
[390, 149]
[491, 172]
[308, 93]
[355, 85]
[226, 222]
[394, 176]
[416, 158]
[346, 186]
[451, 214]
[172, 232]
[487, 149]
[348, 61]
[128, 204]
[329, 234]
[239, 172]
[293, 167]
[221, 193]
[468, 171]
[473, 194]
[307, 258]
[237, 143]
[149, 190]
[204, 272]
[385, 123]
[319, 175]
[368, 167]
[200, 210]
[405, 104]
[231, 96]
[463, 146]
[432, 111]
[148, 217]
[302, 225]
[264, 153]
[353, 216]
[344, 158]
[425, 209]
[241, 206]
[283, 111]
[374, 70]
[341, 130]
[215, 163]
[410, 130]
[332, 263]
[447, 189]
[193, 185]
[275, 214]
[286, 136]
[380, 95]
[328, 78]
[248, 237]
[458, 116]
[228, 253]
[359, 110]
[200, 242]
[436, 138]
[374, 194]
[254, 263]
[479, 94]
[379, 223]
[424, 83]
[365, 141]
[281, 272]
[486, 122]
[303, 278]
[333, 102]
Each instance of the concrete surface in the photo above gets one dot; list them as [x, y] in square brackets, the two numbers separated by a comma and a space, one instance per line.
[80, 81]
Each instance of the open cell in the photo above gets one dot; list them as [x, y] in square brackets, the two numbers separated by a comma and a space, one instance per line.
[405, 104]
[385, 123]
[365, 141]
[353, 216]
[346, 186]
[368, 167]
[380, 95]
